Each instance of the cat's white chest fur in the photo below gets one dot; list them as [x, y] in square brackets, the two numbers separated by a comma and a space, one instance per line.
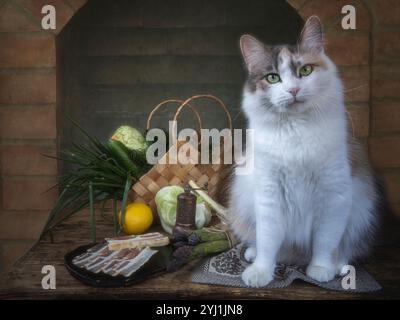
[296, 158]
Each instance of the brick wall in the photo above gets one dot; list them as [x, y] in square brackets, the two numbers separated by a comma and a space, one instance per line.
[368, 60]
[384, 139]
[27, 121]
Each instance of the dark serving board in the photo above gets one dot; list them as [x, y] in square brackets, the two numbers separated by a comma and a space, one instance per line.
[155, 266]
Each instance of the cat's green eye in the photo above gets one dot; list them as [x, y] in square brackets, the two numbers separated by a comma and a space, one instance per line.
[306, 70]
[273, 78]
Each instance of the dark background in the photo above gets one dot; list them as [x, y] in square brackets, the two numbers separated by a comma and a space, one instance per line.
[118, 59]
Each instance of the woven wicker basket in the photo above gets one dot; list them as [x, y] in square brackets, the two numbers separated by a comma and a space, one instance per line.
[165, 173]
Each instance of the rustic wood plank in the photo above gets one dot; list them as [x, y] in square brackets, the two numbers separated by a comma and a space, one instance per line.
[140, 98]
[168, 69]
[117, 41]
[24, 281]
[188, 13]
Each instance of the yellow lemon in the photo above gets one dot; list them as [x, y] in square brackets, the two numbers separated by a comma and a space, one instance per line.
[138, 218]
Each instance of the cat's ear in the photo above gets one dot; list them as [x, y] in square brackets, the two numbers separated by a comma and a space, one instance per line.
[311, 37]
[253, 51]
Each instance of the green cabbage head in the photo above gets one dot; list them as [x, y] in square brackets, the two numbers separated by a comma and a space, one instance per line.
[131, 138]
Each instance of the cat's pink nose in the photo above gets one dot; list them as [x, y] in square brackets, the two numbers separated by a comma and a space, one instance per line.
[294, 91]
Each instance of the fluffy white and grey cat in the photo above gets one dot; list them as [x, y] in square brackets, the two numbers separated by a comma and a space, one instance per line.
[311, 198]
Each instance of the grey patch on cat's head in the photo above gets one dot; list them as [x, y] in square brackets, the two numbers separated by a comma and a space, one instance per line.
[261, 59]
[264, 61]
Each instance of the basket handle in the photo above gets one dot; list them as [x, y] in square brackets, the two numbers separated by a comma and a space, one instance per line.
[206, 96]
[186, 103]
[175, 117]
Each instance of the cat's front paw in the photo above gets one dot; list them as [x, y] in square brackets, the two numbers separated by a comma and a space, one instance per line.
[341, 269]
[250, 254]
[320, 273]
[257, 276]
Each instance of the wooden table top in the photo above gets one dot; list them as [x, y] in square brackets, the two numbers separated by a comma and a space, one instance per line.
[24, 280]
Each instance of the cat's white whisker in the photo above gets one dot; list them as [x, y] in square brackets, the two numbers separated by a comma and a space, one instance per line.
[355, 88]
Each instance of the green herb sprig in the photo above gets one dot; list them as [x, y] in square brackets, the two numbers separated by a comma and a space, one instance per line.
[101, 172]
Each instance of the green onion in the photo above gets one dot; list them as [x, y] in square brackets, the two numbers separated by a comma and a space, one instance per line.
[92, 213]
